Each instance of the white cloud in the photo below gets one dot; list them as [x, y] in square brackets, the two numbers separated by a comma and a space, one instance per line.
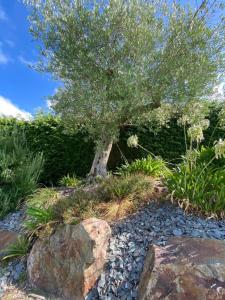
[25, 61]
[3, 16]
[3, 58]
[8, 109]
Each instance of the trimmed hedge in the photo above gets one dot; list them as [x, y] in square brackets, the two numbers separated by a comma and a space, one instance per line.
[72, 153]
[64, 154]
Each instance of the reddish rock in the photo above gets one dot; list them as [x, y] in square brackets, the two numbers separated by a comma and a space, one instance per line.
[6, 238]
[69, 262]
[185, 269]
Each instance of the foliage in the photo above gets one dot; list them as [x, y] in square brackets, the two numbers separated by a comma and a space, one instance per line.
[63, 153]
[19, 169]
[117, 197]
[207, 154]
[70, 181]
[113, 198]
[150, 166]
[200, 182]
[119, 187]
[38, 218]
[43, 198]
[18, 249]
[125, 62]
[66, 153]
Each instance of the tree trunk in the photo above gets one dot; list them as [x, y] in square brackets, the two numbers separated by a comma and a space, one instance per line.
[99, 165]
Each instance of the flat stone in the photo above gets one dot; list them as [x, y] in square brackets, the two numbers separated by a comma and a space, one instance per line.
[6, 238]
[186, 268]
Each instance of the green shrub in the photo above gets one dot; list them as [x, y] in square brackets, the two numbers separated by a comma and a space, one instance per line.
[19, 169]
[200, 183]
[64, 153]
[70, 181]
[150, 166]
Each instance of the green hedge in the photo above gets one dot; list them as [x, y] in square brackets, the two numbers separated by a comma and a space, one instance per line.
[63, 153]
[67, 154]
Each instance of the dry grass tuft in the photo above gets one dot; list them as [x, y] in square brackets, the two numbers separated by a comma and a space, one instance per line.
[114, 198]
[115, 210]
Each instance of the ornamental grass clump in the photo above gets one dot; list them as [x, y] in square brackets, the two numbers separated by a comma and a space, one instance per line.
[18, 249]
[113, 198]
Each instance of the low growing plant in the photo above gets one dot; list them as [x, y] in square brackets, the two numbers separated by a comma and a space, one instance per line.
[38, 218]
[113, 198]
[70, 181]
[123, 195]
[151, 166]
[19, 249]
[43, 198]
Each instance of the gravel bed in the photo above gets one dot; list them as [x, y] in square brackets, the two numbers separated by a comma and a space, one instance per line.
[13, 221]
[131, 239]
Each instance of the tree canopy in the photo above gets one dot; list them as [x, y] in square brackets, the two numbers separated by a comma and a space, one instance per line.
[126, 62]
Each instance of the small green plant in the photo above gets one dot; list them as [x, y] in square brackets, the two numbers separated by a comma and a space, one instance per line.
[69, 181]
[150, 166]
[43, 198]
[18, 249]
[38, 218]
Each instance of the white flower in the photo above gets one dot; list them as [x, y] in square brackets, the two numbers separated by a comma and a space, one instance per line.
[220, 149]
[132, 141]
[205, 124]
[195, 133]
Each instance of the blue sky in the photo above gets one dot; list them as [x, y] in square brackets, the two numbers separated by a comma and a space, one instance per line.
[20, 85]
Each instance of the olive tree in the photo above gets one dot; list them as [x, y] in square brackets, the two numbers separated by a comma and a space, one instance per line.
[124, 62]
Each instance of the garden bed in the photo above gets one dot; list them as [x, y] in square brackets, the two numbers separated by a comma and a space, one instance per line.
[131, 238]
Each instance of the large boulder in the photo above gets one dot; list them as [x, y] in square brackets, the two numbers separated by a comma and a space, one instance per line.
[69, 262]
[185, 269]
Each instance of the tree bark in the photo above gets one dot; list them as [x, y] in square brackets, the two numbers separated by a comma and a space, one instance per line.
[99, 165]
